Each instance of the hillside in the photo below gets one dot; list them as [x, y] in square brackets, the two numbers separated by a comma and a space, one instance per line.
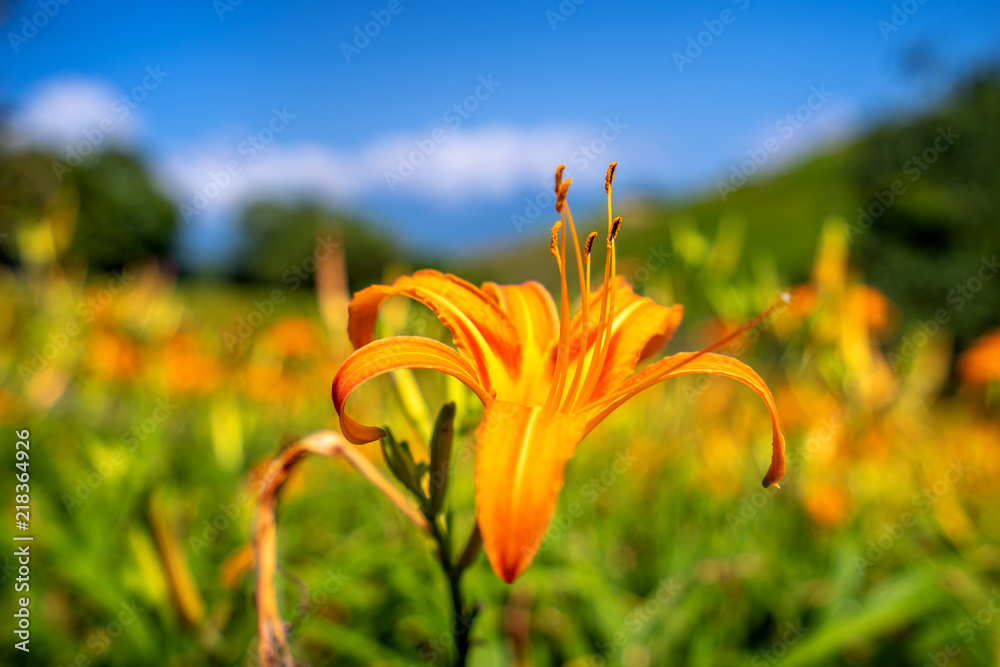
[923, 246]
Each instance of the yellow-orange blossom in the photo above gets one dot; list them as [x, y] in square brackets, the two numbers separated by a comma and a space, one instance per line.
[546, 379]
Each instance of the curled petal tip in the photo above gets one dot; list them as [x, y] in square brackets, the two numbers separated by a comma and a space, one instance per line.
[775, 474]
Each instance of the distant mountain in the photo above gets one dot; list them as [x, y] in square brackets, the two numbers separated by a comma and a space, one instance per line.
[921, 197]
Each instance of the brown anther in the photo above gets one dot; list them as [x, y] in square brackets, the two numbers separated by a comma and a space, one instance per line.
[590, 244]
[615, 224]
[609, 177]
[559, 173]
[561, 194]
[554, 243]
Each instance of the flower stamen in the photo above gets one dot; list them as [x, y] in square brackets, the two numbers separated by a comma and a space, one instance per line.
[584, 297]
[603, 340]
[601, 353]
[559, 373]
[559, 173]
[590, 244]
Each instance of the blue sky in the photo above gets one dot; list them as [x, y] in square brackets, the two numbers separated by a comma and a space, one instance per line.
[370, 123]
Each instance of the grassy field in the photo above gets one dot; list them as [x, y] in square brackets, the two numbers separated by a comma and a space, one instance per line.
[154, 407]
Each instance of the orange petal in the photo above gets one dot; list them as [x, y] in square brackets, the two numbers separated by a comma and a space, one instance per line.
[685, 363]
[639, 329]
[531, 310]
[390, 354]
[533, 313]
[480, 329]
[521, 456]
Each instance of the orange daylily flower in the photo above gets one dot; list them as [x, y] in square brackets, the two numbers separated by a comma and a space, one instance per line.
[980, 364]
[546, 379]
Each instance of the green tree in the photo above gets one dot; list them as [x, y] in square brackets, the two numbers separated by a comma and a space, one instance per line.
[925, 241]
[122, 216]
[278, 236]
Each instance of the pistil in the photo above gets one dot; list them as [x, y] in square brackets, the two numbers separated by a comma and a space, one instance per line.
[782, 300]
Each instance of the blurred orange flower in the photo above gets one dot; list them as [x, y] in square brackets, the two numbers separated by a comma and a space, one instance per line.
[826, 503]
[186, 370]
[112, 356]
[288, 362]
[981, 362]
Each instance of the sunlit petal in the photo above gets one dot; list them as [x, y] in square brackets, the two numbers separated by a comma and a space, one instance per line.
[480, 329]
[531, 310]
[533, 313]
[521, 456]
[686, 363]
[389, 354]
[639, 329]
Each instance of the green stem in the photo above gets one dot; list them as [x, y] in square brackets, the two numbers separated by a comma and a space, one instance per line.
[461, 622]
[461, 625]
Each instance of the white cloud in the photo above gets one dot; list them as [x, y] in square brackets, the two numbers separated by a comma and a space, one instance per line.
[66, 111]
[487, 162]
[491, 161]
[442, 163]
